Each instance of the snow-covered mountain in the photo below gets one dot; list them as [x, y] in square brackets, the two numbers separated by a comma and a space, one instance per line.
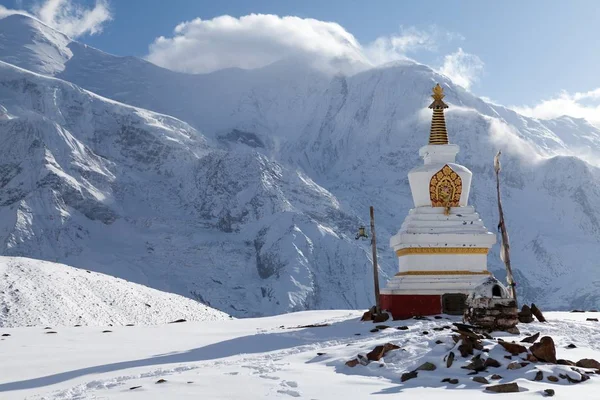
[41, 293]
[255, 214]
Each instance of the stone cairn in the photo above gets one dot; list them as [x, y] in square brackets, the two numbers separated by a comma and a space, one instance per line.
[489, 307]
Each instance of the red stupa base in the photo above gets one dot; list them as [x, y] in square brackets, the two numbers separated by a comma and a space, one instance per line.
[408, 306]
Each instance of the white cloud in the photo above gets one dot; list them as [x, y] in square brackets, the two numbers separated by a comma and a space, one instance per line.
[67, 17]
[462, 68]
[579, 105]
[257, 40]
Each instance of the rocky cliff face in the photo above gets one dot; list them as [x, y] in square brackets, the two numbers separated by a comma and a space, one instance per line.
[251, 204]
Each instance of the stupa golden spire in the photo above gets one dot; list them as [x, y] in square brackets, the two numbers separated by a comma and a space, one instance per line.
[438, 134]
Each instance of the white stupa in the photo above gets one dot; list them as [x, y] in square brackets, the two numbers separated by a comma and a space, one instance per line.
[442, 245]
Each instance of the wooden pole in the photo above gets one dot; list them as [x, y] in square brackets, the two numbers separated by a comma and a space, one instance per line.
[504, 245]
[375, 268]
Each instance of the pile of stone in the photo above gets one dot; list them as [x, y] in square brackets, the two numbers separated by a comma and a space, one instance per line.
[490, 307]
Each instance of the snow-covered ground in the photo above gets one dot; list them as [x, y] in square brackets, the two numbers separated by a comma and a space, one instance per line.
[41, 293]
[274, 358]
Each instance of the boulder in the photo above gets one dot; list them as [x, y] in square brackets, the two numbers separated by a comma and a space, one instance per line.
[352, 363]
[496, 377]
[490, 362]
[381, 317]
[531, 339]
[539, 376]
[476, 365]
[537, 313]
[380, 351]
[450, 380]
[161, 381]
[553, 378]
[513, 348]
[571, 346]
[548, 392]
[504, 388]
[531, 358]
[544, 350]
[525, 315]
[450, 359]
[565, 362]
[592, 319]
[588, 363]
[480, 379]
[408, 375]
[402, 328]
[514, 365]
[426, 367]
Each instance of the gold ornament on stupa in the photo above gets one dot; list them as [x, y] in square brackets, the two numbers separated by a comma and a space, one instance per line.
[438, 134]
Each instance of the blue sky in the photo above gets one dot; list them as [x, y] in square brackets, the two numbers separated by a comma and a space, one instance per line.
[526, 52]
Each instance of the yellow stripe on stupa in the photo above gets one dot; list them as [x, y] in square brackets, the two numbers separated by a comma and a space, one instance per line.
[407, 251]
[438, 134]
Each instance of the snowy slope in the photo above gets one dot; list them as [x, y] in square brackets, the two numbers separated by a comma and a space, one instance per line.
[41, 293]
[256, 215]
[277, 358]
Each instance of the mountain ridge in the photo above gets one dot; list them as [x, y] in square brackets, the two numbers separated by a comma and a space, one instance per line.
[256, 214]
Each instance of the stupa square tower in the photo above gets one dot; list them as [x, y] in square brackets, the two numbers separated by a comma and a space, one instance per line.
[442, 245]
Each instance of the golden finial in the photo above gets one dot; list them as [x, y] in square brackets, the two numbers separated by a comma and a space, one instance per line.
[438, 95]
[438, 92]
[438, 134]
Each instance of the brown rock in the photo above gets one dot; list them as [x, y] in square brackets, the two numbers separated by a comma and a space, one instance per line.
[380, 351]
[553, 378]
[381, 327]
[161, 381]
[513, 348]
[525, 315]
[352, 363]
[514, 365]
[565, 362]
[531, 339]
[450, 359]
[539, 376]
[538, 313]
[531, 358]
[504, 388]
[588, 363]
[381, 317]
[367, 316]
[544, 350]
[490, 362]
[476, 365]
[480, 379]
[426, 367]
[548, 392]
[496, 377]
[466, 348]
[450, 380]
[408, 375]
